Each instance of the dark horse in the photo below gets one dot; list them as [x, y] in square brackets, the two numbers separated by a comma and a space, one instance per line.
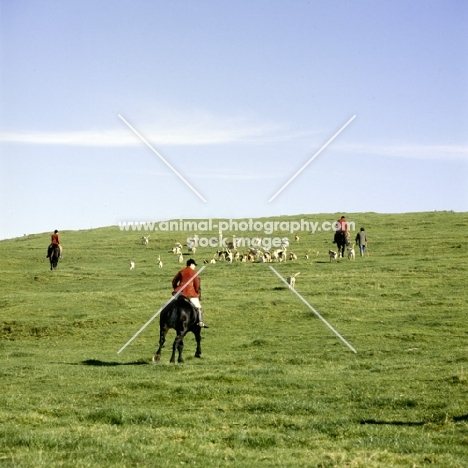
[180, 315]
[341, 241]
[54, 255]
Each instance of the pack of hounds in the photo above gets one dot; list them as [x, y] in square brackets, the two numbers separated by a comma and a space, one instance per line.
[335, 255]
[231, 254]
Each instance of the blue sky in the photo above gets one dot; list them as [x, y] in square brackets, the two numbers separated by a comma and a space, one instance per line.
[237, 96]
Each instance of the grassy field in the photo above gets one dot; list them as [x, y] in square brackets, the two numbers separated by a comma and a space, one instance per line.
[275, 387]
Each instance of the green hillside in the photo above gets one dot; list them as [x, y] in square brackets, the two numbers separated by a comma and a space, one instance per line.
[275, 386]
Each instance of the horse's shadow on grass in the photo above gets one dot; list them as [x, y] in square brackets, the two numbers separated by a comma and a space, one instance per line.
[392, 423]
[463, 417]
[98, 363]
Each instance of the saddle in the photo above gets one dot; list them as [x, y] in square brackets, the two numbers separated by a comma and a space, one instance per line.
[187, 300]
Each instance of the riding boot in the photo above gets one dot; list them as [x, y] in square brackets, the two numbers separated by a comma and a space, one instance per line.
[200, 318]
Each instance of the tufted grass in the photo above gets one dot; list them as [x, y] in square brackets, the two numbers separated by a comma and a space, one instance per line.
[275, 387]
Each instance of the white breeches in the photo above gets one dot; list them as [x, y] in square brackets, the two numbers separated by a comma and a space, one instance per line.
[195, 301]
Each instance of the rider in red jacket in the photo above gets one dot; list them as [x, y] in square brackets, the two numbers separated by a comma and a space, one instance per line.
[191, 290]
[54, 240]
[342, 225]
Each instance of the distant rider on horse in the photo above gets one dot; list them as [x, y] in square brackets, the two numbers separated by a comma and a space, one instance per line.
[54, 240]
[342, 235]
[191, 291]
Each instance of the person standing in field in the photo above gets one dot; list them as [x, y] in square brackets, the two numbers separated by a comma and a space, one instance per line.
[361, 240]
[54, 240]
[192, 290]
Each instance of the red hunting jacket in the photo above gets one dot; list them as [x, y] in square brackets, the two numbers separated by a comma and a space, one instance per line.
[192, 289]
[55, 239]
[343, 225]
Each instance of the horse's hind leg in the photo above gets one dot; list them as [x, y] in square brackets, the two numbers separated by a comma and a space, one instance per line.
[178, 346]
[198, 352]
[162, 338]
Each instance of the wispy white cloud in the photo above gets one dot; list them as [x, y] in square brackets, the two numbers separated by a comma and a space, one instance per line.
[407, 150]
[78, 138]
[170, 129]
